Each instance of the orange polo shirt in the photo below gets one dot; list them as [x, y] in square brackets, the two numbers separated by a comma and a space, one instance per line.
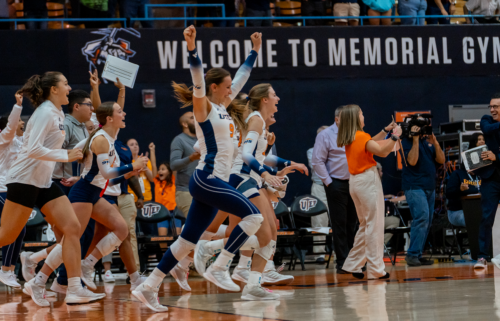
[164, 194]
[358, 158]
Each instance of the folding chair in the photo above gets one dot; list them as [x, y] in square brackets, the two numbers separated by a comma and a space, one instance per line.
[287, 235]
[150, 244]
[34, 228]
[303, 208]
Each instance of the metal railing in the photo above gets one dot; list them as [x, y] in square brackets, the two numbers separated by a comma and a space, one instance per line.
[303, 19]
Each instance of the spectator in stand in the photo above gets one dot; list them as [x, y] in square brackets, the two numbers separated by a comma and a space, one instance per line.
[482, 7]
[314, 8]
[412, 8]
[379, 8]
[94, 9]
[440, 7]
[147, 176]
[318, 190]
[135, 9]
[346, 8]
[259, 8]
[165, 195]
[462, 183]
[183, 161]
[35, 9]
[5, 9]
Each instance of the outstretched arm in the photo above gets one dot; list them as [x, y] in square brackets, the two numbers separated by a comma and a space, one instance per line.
[9, 132]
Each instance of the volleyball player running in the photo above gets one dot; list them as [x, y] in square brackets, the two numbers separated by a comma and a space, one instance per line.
[29, 182]
[11, 139]
[209, 182]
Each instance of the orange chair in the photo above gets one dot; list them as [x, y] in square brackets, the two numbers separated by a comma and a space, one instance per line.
[289, 8]
[19, 7]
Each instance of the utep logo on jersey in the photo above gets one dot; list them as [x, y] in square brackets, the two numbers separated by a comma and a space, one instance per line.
[225, 116]
[106, 161]
[97, 51]
[150, 210]
[307, 203]
[112, 153]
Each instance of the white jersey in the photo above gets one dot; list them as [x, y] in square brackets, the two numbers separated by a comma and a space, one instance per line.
[41, 148]
[215, 136]
[10, 145]
[91, 171]
[239, 166]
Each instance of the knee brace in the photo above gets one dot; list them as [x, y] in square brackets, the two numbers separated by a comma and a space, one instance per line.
[54, 259]
[108, 244]
[221, 232]
[251, 244]
[267, 251]
[250, 224]
[181, 248]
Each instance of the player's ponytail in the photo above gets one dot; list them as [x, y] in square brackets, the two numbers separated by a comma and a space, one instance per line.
[102, 113]
[37, 88]
[237, 110]
[183, 94]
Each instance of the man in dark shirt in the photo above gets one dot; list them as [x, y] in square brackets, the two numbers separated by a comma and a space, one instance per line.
[419, 184]
[259, 8]
[490, 176]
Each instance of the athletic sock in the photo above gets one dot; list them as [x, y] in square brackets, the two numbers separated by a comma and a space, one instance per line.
[245, 262]
[38, 256]
[74, 284]
[185, 263]
[41, 279]
[207, 236]
[215, 246]
[269, 266]
[223, 261]
[254, 278]
[155, 278]
[91, 260]
[134, 277]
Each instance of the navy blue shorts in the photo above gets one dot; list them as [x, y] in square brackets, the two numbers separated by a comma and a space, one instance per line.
[247, 186]
[111, 199]
[84, 192]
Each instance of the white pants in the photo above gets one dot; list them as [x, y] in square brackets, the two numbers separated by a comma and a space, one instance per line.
[366, 192]
[319, 220]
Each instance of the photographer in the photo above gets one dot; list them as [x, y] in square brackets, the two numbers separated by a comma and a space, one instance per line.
[490, 179]
[419, 184]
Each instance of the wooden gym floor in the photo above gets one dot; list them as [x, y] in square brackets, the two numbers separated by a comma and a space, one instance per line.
[444, 291]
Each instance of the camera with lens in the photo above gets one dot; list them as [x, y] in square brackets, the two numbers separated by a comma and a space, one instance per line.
[423, 121]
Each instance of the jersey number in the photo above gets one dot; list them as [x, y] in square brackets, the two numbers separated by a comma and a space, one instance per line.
[231, 129]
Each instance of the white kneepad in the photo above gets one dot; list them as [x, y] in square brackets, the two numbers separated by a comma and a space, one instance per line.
[108, 244]
[250, 224]
[54, 259]
[181, 248]
[267, 251]
[221, 232]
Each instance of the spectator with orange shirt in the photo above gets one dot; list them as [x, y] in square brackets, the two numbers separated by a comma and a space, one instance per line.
[165, 195]
[147, 176]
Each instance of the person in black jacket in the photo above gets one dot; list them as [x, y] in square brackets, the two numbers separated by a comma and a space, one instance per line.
[460, 184]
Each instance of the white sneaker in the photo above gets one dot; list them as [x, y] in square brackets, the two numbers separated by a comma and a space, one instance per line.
[273, 277]
[241, 274]
[180, 275]
[28, 268]
[50, 294]
[108, 277]
[15, 280]
[149, 296]
[496, 261]
[258, 293]
[87, 278]
[481, 264]
[36, 292]
[221, 278]
[134, 285]
[82, 295]
[56, 287]
[9, 279]
[201, 256]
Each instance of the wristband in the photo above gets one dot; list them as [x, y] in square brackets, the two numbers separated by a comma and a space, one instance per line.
[394, 138]
[386, 131]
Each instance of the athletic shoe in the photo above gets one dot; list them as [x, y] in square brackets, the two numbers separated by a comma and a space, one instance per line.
[28, 268]
[9, 279]
[56, 287]
[87, 278]
[180, 275]
[481, 264]
[241, 274]
[50, 294]
[221, 278]
[108, 277]
[201, 257]
[426, 261]
[496, 261]
[273, 277]
[36, 292]
[149, 296]
[141, 280]
[257, 293]
[412, 261]
[82, 295]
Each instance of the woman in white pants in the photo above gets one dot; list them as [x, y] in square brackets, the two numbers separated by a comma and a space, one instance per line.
[366, 191]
